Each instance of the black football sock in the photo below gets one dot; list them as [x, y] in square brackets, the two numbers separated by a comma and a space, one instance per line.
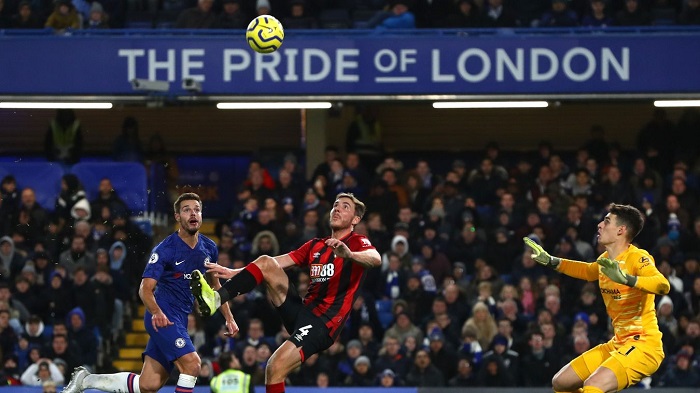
[243, 282]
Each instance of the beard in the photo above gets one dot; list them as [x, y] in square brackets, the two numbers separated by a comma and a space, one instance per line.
[189, 229]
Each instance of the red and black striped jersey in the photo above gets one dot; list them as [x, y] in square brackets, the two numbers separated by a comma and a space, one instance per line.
[334, 281]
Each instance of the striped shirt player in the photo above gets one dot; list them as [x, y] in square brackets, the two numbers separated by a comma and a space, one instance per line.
[336, 265]
[166, 294]
[628, 281]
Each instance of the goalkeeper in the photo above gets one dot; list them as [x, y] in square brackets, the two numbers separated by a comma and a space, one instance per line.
[628, 281]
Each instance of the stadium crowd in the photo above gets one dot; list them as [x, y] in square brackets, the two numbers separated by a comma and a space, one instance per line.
[341, 14]
[457, 301]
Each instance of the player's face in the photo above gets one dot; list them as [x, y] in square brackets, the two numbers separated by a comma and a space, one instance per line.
[190, 216]
[343, 214]
[608, 230]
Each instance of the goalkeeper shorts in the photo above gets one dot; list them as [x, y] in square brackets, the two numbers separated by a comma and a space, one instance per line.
[631, 361]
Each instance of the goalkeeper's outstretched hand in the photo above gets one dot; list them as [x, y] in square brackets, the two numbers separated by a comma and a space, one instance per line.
[539, 255]
[611, 268]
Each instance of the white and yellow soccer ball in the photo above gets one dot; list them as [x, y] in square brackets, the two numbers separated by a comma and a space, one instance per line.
[265, 34]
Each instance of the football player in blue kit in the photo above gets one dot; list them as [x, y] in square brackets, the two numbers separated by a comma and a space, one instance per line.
[166, 294]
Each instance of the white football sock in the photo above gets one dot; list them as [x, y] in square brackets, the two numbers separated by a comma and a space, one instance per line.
[117, 383]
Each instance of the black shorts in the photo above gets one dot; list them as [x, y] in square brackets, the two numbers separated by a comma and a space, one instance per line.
[308, 332]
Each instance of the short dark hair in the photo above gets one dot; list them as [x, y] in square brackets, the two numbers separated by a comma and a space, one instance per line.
[188, 196]
[630, 217]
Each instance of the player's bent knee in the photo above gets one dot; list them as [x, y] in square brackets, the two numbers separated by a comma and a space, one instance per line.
[566, 380]
[149, 386]
[267, 262]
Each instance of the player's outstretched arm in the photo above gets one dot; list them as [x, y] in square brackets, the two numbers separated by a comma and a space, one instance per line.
[577, 269]
[231, 325]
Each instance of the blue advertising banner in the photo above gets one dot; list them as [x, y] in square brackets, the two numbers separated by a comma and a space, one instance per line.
[329, 63]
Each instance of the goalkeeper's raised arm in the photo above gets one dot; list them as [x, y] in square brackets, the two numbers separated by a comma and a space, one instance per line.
[628, 280]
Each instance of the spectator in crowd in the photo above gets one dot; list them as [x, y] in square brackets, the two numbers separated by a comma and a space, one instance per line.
[560, 15]
[58, 298]
[49, 387]
[484, 324]
[64, 16]
[72, 192]
[199, 17]
[5, 21]
[107, 198]
[41, 372]
[9, 200]
[690, 14]
[498, 14]
[62, 348]
[127, 146]
[299, 17]
[231, 378]
[362, 373]
[493, 373]
[467, 14]
[442, 354]
[681, 373]
[232, 16]
[77, 256]
[632, 14]
[398, 16]
[97, 17]
[424, 373]
[538, 364]
[11, 261]
[165, 169]
[466, 375]
[25, 17]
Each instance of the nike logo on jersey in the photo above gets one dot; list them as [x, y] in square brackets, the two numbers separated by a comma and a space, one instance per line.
[177, 263]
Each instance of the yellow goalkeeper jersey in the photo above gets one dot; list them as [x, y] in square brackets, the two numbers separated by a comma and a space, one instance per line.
[631, 309]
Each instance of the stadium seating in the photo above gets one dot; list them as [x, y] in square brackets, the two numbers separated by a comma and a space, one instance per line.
[384, 309]
[335, 19]
[128, 179]
[43, 177]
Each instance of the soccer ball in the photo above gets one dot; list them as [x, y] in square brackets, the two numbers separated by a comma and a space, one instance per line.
[265, 34]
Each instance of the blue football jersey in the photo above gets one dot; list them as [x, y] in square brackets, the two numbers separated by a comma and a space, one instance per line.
[171, 264]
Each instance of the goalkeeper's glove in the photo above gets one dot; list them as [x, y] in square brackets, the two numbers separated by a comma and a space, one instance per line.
[611, 268]
[541, 256]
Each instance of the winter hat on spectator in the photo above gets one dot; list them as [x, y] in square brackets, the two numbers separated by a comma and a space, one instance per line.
[354, 343]
[582, 316]
[499, 339]
[362, 360]
[388, 373]
[664, 301]
[262, 4]
[96, 7]
[437, 335]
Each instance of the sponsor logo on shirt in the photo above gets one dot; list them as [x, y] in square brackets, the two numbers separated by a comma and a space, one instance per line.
[366, 242]
[320, 272]
[153, 258]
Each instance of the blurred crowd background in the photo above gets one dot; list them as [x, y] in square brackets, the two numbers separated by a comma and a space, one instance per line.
[344, 14]
[457, 301]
